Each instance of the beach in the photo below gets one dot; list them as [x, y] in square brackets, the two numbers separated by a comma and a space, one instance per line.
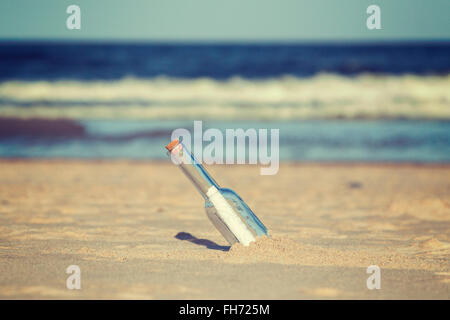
[331, 121]
[138, 230]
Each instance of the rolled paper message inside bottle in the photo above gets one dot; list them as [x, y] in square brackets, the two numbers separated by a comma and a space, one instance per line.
[224, 207]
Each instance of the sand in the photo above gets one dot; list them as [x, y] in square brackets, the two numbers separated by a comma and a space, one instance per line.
[138, 230]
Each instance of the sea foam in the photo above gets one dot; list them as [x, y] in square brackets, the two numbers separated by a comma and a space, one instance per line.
[324, 96]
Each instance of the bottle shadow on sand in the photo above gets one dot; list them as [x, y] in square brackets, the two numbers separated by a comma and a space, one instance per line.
[201, 242]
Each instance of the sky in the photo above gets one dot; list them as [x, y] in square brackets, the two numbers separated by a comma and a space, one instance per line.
[225, 20]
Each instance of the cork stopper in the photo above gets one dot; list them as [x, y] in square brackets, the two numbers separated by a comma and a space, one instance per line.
[172, 144]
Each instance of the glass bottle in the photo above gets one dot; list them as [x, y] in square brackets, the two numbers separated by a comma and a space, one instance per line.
[226, 210]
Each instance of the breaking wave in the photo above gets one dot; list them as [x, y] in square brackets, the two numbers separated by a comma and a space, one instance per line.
[324, 96]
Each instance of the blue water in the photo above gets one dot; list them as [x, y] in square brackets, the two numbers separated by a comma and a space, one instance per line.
[38, 61]
[226, 86]
[331, 140]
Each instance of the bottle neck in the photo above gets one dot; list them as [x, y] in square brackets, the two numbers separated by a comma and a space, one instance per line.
[193, 169]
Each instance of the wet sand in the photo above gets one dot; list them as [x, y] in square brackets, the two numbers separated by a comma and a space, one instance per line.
[138, 230]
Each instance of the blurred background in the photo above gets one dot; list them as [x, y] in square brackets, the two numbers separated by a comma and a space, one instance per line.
[137, 70]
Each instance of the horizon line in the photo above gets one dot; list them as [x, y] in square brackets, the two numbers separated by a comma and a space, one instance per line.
[229, 41]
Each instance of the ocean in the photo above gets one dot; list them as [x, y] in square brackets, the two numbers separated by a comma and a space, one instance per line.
[331, 102]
